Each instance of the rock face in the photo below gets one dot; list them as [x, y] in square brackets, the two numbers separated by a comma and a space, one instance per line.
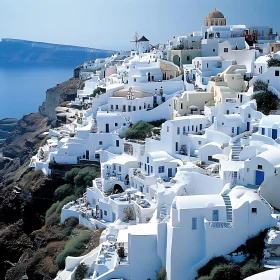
[54, 96]
[23, 204]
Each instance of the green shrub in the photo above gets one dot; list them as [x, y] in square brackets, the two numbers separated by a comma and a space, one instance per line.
[81, 271]
[85, 176]
[260, 85]
[157, 123]
[266, 101]
[206, 269]
[52, 209]
[121, 252]
[74, 247]
[31, 176]
[273, 62]
[161, 275]
[251, 267]
[70, 175]
[139, 130]
[63, 191]
[63, 202]
[230, 271]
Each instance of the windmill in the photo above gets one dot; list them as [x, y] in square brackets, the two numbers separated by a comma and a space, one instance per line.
[136, 40]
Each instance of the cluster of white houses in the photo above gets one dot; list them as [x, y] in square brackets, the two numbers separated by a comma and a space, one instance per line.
[200, 186]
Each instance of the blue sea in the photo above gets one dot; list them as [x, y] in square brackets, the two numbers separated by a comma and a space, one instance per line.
[23, 88]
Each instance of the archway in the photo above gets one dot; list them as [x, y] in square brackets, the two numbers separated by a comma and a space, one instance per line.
[118, 188]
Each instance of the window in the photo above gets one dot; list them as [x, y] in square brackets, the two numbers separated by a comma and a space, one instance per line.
[124, 124]
[105, 213]
[160, 169]
[117, 107]
[184, 130]
[207, 65]
[114, 167]
[276, 73]
[134, 80]
[178, 130]
[248, 169]
[199, 142]
[188, 57]
[117, 143]
[232, 78]
[215, 215]
[268, 81]
[139, 107]
[192, 127]
[194, 223]
[263, 131]
[147, 159]
[214, 50]
[260, 167]
[232, 129]
[134, 108]
[167, 128]
[112, 107]
[176, 146]
[188, 128]
[225, 49]
[254, 210]
[181, 106]
[100, 143]
[249, 116]
[151, 169]
[145, 167]
[120, 168]
[116, 124]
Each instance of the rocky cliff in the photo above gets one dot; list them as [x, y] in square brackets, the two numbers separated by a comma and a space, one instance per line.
[25, 196]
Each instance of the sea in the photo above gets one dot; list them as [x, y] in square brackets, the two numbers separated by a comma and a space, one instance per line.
[23, 87]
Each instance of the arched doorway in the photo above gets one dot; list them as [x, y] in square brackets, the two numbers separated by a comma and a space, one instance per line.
[118, 188]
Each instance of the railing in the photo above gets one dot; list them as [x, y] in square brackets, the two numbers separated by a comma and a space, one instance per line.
[220, 225]
[267, 204]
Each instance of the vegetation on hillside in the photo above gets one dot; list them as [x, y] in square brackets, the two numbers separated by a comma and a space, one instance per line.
[273, 62]
[140, 130]
[219, 268]
[266, 100]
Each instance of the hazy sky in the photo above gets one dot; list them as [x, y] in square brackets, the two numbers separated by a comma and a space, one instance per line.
[111, 24]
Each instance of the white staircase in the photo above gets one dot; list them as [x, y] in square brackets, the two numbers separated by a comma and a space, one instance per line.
[163, 212]
[99, 185]
[235, 149]
[227, 201]
[94, 127]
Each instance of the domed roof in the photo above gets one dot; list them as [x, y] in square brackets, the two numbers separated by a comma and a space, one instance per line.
[215, 14]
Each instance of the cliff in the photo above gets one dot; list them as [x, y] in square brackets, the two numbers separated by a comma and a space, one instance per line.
[54, 96]
[21, 51]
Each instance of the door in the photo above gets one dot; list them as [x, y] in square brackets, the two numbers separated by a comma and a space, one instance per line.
[113, 216]
[274, 133]
[248, 126]
[259, 177]
[237, 131]
[107, 128]
[215, 215]
[169, 172]
[101, 213]
[87, 154]
[148, 169]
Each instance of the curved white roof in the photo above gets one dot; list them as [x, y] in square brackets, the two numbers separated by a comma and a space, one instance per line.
[272, 274]
[269, 121]
[262, 59]
[272, 156]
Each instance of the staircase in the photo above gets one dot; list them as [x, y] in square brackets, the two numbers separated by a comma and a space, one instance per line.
[163, 213]
[235, 149]
[99, 185]
[94, 127]
[227, 201]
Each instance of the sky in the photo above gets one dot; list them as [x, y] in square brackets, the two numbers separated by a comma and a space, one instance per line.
[111, 24]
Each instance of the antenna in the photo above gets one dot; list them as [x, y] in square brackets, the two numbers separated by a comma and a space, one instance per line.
[136, 40]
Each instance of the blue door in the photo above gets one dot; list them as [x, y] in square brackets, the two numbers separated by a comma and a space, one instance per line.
[169, 172]
[212, 119]
[113, 216]
[248, 126]
[259, 177]
[237, 132]
[148, 169]
[274, 133]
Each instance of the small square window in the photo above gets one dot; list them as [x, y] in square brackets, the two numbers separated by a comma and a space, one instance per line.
[225, 49]
[260, 167]
[100, 143]
[105, 213]
[116, 124]
[199, 142]
[160, 169]
[277, 73]
[254, 210]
